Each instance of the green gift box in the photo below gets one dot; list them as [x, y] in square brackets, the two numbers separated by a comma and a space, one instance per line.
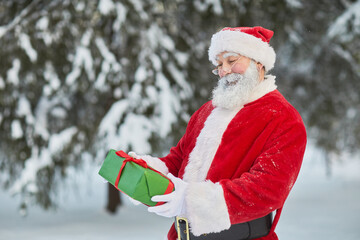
[134, 177]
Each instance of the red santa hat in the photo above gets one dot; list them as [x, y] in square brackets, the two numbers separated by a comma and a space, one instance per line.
[252, 42]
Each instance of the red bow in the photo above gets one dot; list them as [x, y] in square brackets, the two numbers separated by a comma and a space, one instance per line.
[128, 159]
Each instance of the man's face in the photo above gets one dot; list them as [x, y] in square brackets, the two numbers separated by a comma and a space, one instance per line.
[234, 89]
[229, 62]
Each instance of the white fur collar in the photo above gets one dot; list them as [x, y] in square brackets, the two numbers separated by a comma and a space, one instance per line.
[264, 87]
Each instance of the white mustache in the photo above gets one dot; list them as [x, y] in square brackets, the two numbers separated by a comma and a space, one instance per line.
[233, 90]
[231, 79]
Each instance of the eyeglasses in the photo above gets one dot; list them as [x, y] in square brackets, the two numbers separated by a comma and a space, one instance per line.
[219, 69]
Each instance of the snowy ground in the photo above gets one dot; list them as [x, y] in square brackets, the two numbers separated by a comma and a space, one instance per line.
[318, 208]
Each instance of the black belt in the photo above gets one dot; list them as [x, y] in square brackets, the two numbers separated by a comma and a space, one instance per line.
[259, 227]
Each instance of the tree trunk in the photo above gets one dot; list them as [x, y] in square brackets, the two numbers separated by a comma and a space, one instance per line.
[114, 200]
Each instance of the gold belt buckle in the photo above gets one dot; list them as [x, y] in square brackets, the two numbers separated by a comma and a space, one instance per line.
[186, 228]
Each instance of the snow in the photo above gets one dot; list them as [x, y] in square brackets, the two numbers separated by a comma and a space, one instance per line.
[112, 118]
[151, 93]
[351, 113]
[105, 52]
[82, 59]
[341, 25]
[13, 73]
[58, 141]
[135, 133]
[106, 6]
[140, 74]
[121, 12]
[41, 158]
[25, 44]
[295, 37]
[168, 105]
[15, 21]
[294, 3]
[3, 30]
[38, 160]
[202, 6]
[182, 58]
[317, 208]
[139, 9]
[80, 6]
[321, 207]
[109, 124]
[181, 81]
[109, 64]
[59, 113]
[41, 117]
[2, 83]
[156, 38]
[42, 24]
[16, 130]
[24, 110]
[117, 93]
[156, 62]
[51, 77]
[23, 107]
[135, 94]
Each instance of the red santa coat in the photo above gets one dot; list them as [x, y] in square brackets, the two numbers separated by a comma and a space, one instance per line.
[240, 164]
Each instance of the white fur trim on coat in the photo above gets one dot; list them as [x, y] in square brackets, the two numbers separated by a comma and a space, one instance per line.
[207, 144]
[244, 44]
[206, 208]
[264, 87]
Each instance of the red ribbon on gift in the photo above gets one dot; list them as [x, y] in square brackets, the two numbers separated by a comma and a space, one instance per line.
[143, 164]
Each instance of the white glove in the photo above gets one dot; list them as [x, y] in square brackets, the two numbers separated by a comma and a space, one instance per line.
[174, 202]
[154, 162]
[146, 158]
[134, 155]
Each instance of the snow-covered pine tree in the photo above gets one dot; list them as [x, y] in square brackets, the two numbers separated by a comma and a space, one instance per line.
[79, 78]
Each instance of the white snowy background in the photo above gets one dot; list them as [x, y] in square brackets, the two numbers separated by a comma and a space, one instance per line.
[319, 208]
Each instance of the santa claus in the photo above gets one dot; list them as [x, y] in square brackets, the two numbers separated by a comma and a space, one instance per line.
[241, 152]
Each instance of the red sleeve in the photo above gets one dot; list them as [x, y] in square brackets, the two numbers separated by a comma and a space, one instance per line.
[174, 159]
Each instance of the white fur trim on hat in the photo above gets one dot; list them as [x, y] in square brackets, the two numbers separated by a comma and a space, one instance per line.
[244, 44]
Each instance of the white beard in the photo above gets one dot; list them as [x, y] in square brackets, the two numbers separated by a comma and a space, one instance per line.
[234, 90]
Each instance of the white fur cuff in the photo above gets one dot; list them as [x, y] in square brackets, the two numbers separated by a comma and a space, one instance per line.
[206, 208]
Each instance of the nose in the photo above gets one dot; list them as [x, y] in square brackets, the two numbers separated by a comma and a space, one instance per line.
[225, 70]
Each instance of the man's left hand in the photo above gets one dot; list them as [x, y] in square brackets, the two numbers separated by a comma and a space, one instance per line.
[174, 202]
